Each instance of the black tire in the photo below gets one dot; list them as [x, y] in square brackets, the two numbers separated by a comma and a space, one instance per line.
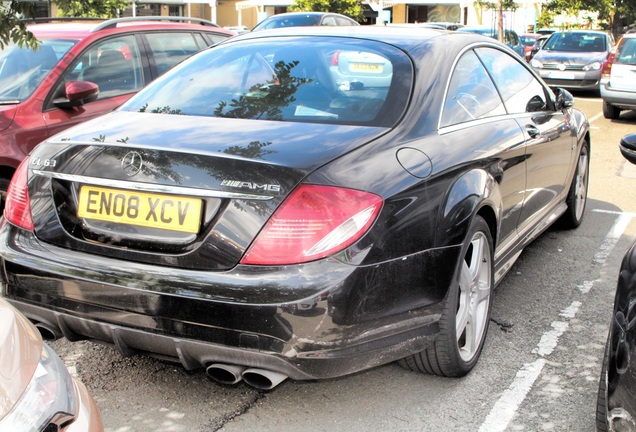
[602, 425]
[610, 111]
[469, 300]
[4, 185]
[577, 195]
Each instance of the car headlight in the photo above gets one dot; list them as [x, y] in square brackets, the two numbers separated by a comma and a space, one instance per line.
[592, 66]
[49, 397]
[536, 64]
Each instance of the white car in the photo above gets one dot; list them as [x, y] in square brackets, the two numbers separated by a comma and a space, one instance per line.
[618, 83]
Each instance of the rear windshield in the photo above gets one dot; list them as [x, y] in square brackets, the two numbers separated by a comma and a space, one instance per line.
[626, 53]
[22, 70]
[576, 42]
[310, 79]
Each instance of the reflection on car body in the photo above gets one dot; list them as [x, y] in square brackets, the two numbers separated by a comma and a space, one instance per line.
[339, 227]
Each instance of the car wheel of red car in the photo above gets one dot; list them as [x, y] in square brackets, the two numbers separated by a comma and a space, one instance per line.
[464, 322]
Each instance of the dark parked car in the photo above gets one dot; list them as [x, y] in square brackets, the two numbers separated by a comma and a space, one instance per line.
[573, 59]
[37, 392]
[305, 19]
[616, 406]
[247, 214]
[511, 38]
[618, 81]
[46, 91]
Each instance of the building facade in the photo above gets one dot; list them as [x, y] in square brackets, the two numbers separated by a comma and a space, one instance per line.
[248, 13]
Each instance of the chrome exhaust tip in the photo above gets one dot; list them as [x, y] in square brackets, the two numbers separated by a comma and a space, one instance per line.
[224, 373]
[263, 379]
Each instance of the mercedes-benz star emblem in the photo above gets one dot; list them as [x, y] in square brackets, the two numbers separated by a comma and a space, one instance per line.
[131, 163]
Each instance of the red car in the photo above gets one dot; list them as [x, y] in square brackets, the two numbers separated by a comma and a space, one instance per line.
[528, 40]
[82, 70]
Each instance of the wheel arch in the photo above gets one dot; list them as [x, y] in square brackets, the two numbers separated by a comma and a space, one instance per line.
[475, 192]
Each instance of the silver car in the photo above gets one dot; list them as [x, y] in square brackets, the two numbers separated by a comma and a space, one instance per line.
[355, 70]
[573, 59]
[618, 83]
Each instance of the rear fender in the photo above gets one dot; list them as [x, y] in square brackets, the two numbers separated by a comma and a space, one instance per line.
[466, 197]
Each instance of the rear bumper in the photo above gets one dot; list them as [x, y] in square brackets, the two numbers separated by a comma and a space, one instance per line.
[620, 98]
[317, 320]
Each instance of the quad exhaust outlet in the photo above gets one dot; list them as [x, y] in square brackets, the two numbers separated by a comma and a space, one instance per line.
[232, 374]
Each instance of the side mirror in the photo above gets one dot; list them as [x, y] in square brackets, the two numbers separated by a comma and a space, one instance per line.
[564, 98]
[77, 93]
[628, 147]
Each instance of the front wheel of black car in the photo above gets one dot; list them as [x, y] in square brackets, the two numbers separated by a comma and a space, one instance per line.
[464, 322]
[577, 195]
[601, 399]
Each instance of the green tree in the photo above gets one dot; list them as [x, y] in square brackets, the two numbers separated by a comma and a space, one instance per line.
[91, 8]
[350, 8]
[12, 28]
[612, 14]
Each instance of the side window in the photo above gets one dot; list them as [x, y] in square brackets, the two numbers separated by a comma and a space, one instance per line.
[215, 38]
[511, 38]
[343, 22]
[471, 93]
[520, 90]
[329, 21]
[113, 64]
[626, 53]
[168, 49]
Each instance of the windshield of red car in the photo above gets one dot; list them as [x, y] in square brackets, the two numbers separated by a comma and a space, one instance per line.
[22, 69]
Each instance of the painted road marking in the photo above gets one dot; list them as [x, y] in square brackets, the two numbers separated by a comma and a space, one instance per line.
[506, 407]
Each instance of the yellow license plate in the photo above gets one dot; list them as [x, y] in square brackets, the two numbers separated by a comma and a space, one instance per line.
[168, 212]
[365, 67]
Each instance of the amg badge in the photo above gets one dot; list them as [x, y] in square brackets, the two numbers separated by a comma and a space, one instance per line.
[251, 185]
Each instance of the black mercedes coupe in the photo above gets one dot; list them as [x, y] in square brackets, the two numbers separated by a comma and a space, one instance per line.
[302, 203]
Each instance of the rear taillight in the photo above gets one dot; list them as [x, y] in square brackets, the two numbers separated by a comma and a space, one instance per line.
[607, 66]
[335, 58]
[17, 209]
[313, 222]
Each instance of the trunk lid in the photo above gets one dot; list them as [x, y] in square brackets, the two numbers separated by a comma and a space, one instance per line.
[182, 191]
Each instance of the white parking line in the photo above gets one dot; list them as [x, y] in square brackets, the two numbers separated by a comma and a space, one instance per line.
[508, 403]
[596, 117]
